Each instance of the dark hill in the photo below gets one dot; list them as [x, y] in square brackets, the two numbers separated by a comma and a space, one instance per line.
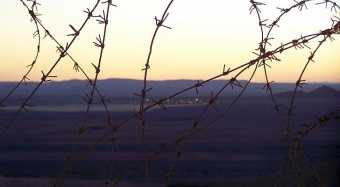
[122, 90]
[322, 91]
[325, 91]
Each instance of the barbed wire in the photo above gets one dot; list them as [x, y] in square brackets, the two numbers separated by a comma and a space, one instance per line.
[143, 95]
[264, 56]
[99, 43]
[46, 77]
[34, 18]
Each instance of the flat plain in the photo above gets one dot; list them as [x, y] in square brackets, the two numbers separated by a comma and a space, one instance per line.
[246, 146]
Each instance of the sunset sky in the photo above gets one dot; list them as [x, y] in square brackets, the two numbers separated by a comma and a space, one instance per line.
[205, 36]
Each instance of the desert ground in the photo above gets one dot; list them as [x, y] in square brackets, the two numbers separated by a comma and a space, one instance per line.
[246, 147]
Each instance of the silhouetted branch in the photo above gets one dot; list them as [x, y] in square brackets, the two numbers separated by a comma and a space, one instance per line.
[34, 18]
[300, 82]
[264, 56]
[322, 121]
[100, 43]
[268, 55]
[159, 24]
[63, 52]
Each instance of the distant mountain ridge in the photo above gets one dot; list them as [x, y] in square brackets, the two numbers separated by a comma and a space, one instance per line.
[322, 91]
[325, 91]
[72, 91]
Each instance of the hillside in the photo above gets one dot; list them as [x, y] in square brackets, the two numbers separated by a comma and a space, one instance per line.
[123, 90]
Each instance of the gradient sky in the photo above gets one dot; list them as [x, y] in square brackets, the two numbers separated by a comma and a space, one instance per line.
[205, 36]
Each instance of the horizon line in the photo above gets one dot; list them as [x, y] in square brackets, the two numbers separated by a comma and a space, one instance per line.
[163, 80]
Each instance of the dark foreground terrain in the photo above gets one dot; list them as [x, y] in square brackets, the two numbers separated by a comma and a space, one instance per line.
[246, 147]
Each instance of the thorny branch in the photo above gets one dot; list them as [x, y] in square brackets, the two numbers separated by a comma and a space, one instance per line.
[263, 56]
[100, 43]
[46, 76]
[77, 67]
[262, 50]
[34, 18]
[300, 82]
[143, 94]
[195, 129]
[269, 55]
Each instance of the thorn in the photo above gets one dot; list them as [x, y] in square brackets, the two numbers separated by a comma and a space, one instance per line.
[44, 77]
[76, 67]
[235, 82]
[47, 33]
[159, 22]
[147, 66]
[96, 68]
[99, 42]
[300, 83]
[225, 72]
[110, 3]
[76, 32]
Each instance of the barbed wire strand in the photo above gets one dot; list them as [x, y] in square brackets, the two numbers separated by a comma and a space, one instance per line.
[25, 78]
[47, 76]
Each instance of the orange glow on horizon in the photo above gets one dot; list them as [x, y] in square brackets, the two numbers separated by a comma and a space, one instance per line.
[205, 36]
